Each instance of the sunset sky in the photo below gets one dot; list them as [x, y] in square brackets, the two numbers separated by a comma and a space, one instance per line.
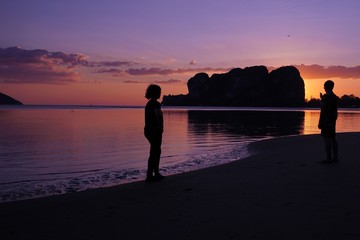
[106, 52]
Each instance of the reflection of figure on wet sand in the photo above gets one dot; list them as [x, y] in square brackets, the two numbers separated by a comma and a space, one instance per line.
[327, 122]
[153, 131]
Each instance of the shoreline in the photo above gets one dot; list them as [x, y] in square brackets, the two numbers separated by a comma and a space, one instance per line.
[41, 189]
[280, 192]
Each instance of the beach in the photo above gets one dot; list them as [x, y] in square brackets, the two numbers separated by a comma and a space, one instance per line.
[280, 192]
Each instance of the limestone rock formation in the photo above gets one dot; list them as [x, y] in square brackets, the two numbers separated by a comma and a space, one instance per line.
[7, 100]
[251, 86]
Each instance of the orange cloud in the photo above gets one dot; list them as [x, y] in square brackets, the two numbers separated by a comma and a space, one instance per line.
[306, 71]
[170, 81]
[319, 72]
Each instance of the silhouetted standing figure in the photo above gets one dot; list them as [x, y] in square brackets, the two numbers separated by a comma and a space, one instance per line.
[154, 127]
[327, 122]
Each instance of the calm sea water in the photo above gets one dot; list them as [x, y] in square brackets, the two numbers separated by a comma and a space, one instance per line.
[53, 150]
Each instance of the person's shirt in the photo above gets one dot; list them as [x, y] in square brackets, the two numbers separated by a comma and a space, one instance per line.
[153, 116]
[328, 114]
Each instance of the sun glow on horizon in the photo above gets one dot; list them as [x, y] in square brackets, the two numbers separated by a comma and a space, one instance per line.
[313, 87]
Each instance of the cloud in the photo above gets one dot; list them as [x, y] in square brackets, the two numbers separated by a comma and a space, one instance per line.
[103, 67]
[18, 65]
[17, 55]
[150, 71]
[114, 71]
[167, 71]
[306, 71]
[170, 81]
[115, 63]
[318, 71]
[72, 59]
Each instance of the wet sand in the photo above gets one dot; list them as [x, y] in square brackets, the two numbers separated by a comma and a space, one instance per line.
[280, 192]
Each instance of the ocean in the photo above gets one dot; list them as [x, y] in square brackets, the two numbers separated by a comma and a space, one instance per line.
[48, 150]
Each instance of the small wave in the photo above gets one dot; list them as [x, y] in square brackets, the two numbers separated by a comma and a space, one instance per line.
[98, 178]
[28, 189]
[72, 172]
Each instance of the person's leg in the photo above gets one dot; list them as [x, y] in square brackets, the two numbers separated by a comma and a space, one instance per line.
[153, 173]
[327, 142]
[157, 159]
[334, 146]
[150, 166]
[157, 155]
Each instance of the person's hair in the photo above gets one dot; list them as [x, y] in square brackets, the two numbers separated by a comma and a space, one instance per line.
[153, 91]
[329, 84]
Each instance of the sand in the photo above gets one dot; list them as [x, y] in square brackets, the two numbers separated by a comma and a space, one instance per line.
[280, 192]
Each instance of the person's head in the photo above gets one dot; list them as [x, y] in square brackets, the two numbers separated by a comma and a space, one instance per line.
[329, 85]
[153, 91]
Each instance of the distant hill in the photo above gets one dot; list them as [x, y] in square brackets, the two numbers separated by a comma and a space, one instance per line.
[249, 87]
[7, 100]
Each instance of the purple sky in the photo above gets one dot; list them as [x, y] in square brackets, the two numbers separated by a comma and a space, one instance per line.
[143, 41]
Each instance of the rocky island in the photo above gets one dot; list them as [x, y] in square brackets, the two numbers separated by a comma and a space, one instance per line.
[7, 100]
[249, 87]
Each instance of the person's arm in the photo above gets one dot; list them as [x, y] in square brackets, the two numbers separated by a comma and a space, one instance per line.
[159, 119]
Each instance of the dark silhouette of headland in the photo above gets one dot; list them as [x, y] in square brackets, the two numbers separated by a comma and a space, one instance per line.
[7, 100]
[249, 87]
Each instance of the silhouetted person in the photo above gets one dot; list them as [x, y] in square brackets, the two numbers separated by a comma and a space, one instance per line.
[327, 122]
[153, 131]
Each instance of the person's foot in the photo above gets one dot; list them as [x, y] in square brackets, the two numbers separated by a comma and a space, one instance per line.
[149, 179]
[158, 177]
